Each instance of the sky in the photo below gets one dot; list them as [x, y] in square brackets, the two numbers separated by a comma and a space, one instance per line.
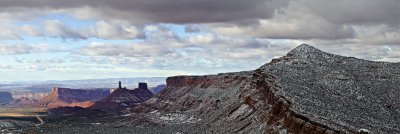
[89, 39]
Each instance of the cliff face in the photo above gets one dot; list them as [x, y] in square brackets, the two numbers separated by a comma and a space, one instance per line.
[60, 97]
[79, 95]
[222, 102]
[306, 91]
[5, 97]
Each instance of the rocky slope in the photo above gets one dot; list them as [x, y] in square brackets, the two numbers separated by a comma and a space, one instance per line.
[123, 98]
[60, 97]
[306, 91]
[158, 88]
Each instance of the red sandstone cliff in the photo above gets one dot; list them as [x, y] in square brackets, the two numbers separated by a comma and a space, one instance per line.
[61, 97]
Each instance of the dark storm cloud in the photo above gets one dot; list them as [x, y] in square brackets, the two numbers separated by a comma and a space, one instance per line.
[274, 19]
[357, 11]
[327, 20]
[166, 11]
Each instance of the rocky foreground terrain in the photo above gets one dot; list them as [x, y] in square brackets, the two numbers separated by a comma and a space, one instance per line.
[306, 91]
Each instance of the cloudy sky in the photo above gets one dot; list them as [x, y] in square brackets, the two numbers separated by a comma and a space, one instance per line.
[84, 39]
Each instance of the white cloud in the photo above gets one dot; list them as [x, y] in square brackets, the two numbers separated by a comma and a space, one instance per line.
[15, 49]
[202, 39]
[8, 31]
[55, 60]
[55, 28]
[6, 49]
[123, 50]
[107, 30]
[197, 53]
[30, 30]
[102, 30]
[9, 34]
[377, 35]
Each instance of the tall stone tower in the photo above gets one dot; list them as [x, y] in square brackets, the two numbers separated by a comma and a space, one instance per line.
[142, 85]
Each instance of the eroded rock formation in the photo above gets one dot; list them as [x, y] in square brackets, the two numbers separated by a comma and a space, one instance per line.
[123, 98]
[5, 97]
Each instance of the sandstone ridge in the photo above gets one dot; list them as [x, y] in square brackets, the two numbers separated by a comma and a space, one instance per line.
[305, 91]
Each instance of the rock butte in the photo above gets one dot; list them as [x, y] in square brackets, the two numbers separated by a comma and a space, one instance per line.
[123, 98]
[62, 97]
[5, 97]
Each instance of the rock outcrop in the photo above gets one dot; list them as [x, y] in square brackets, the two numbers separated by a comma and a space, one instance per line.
[142, 92]
[305, 91]
[122, 98]
[5, 97]
[24, 102]
[61, 97]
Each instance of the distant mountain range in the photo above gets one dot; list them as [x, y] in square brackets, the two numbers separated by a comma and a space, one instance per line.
[46, 86]
[108, 83]
[98, 98]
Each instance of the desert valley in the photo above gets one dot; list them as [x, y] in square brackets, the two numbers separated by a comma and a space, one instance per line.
[305, 91]
[199, 67]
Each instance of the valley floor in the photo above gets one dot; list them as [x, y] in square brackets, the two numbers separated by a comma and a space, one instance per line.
[150, 123]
